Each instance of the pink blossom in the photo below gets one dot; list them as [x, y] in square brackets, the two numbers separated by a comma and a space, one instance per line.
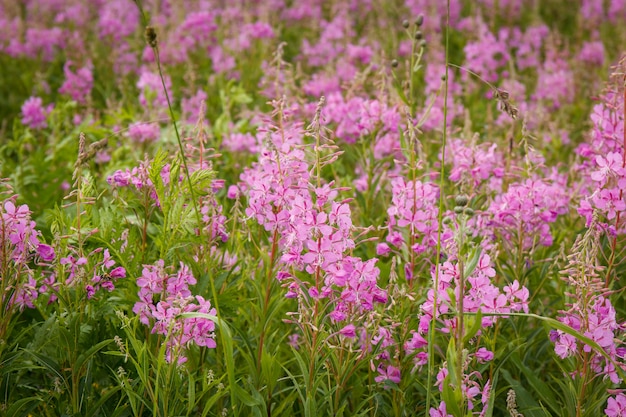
[34, 113]
[77, 84]
[616, 406]
[388, 373]
[441, 411]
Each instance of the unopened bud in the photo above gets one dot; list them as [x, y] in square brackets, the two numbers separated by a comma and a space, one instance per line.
[469, 212]
[423, 43]
[405, 24]
[394, 63]
[458, 209]
[419, 35]
[461, 200]
[420, 20]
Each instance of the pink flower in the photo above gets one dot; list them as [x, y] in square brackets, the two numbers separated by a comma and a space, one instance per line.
[233, 192]
[388, 373]
[348, 331]
[616, 406]
[144, 132]
[565, 345]
[34, 113]
[483, 355]
[609, 166]
[441, 411]
[77, 84]
[382, 249]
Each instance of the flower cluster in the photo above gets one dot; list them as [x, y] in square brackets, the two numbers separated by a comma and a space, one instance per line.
[590, 312]
[104, 274]
[604, 168]
[523, 214]
[479, 295]
[77, 85]
[412, 219]
[163, 298]
[476, 165]
[20, 250]
[312, 230]
[34, 113]
[144, 132]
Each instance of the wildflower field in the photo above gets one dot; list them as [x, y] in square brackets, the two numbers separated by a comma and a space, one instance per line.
[312, 208]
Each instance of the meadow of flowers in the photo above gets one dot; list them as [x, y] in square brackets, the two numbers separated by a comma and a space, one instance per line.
[316, 208]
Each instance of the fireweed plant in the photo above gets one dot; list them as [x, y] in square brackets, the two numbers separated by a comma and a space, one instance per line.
[312, 208]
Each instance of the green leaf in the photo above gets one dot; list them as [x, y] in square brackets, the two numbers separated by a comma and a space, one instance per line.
[109, 393]
[525, 401]
[473, 262]
[475, 322]
[82, 358]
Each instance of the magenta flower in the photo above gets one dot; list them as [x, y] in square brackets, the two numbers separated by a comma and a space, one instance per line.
[609, 167]
[77, 84]
[483, 355]
[348, 331]
[388, 373]
[162, 298]
[144, 132]
[441, 411]
[616, 406]
[34, 113]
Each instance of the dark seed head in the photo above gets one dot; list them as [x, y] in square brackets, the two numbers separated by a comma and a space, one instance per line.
[151, 36]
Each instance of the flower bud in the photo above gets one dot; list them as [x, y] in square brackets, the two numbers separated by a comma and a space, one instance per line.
[461, 200]
[405, 24]
[469, 212]
[420, 20]
[394, 63]
[419, 35]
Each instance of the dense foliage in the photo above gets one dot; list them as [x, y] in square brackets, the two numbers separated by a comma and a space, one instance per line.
[346, 208]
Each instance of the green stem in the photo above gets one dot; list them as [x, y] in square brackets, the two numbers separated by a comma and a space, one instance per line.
[431, 330]
[191, 191]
